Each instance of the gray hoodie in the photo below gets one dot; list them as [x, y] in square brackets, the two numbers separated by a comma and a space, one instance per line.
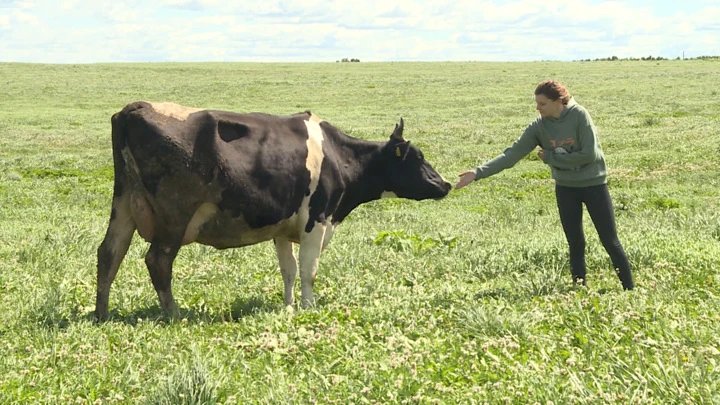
[572, 149]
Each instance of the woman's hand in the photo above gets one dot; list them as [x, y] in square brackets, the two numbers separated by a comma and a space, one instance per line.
[465, 179]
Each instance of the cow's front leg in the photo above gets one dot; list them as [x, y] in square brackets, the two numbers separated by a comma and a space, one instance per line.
[288, 267]
[310, 247]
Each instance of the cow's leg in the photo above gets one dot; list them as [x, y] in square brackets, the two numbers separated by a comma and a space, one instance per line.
[112, 250]
[159, 260]
[288, 267]
[310, 248]
[329, 231]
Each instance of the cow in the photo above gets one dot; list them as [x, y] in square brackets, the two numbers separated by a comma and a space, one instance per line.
[224, 179]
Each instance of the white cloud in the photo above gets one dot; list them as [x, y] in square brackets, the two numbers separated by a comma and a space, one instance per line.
[69, 5]
[24, 4]
[375, 30]
[25, 18]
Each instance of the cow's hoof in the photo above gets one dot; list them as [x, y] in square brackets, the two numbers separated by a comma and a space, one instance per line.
[174, 316]
[308, 304]
[100, 317]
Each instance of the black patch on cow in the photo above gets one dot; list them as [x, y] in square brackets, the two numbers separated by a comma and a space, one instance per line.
[256, 216]
[330, 187]
[113, 214]
[118, 187]
[230, 131]
[159, 152]
[264, 176]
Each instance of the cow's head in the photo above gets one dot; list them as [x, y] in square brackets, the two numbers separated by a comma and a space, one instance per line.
[407, 173]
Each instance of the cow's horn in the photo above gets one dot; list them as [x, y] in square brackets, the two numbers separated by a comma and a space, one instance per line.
[398, 132]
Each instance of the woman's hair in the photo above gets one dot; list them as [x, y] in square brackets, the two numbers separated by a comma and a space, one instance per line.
[553, 90]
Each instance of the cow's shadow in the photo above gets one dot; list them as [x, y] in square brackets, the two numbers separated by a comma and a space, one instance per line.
[241, 308]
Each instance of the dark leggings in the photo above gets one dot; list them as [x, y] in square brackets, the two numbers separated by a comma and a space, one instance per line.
[599, 206]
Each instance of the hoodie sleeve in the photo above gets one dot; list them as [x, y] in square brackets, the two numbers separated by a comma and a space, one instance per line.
[589, 147]
[524, 145]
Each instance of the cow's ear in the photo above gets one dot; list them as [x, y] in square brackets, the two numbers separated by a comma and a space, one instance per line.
[398, 132]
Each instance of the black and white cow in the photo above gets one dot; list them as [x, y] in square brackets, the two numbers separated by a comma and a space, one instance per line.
[224, 179]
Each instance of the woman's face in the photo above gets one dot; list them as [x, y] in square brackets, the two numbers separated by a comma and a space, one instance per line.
[547, 107]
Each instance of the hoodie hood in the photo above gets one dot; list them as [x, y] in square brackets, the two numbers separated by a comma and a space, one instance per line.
[571, 105]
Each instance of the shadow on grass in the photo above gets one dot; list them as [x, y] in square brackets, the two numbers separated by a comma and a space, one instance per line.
[252, 306]
[533, 291]
[497, 293]
[241, 308]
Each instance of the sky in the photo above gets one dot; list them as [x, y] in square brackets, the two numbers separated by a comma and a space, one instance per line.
[99, 31]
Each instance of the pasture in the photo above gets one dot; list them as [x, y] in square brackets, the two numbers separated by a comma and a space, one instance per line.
[461, 301]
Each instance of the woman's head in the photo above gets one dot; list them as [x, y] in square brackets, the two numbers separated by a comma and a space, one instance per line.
[551, 97]
[554, 91]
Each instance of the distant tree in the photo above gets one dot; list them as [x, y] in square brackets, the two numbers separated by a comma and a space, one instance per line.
[650, 57]
[647, 58]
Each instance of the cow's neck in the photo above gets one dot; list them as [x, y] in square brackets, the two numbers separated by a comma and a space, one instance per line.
[362, 175]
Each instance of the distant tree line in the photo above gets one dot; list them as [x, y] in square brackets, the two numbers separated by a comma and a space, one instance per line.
[348, 60]
[708, 57]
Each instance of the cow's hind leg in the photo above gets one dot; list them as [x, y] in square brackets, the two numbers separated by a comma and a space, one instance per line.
[159, 260]
[112, 250]
[288, 267]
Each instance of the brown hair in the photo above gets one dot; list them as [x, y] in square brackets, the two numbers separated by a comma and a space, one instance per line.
[553, 90]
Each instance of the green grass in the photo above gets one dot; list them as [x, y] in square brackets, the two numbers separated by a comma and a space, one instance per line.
[462, 301]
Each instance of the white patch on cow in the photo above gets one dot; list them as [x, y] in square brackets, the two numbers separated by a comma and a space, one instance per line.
[173, 110]
[215, 233]
[315, 153]
[311, 242]
[388, 194]
[314, 118]
[313, 163]
[202, 215]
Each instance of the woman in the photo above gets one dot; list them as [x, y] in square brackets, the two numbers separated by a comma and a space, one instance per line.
[570, 146]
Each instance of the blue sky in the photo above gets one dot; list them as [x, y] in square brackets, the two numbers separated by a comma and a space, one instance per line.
[88, 31]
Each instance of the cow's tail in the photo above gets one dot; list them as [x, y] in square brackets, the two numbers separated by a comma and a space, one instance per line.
[119, 142]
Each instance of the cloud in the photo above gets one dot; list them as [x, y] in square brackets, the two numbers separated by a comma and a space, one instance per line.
[79, 31]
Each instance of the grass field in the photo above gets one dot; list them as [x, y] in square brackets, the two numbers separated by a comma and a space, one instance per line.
[462, 301]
